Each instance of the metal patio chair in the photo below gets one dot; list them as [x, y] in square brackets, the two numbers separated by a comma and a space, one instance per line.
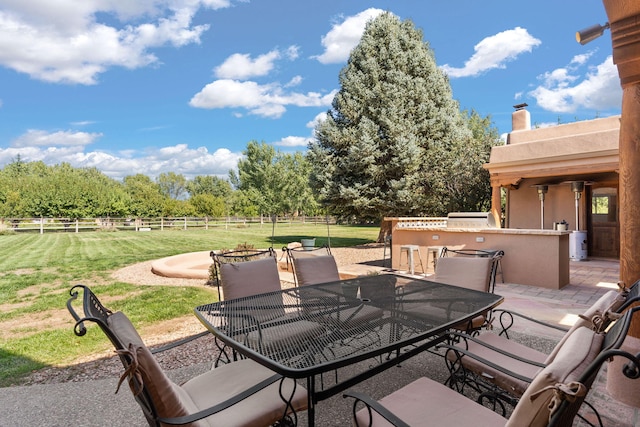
[242, 393]
[553, 398]
[243, 275]
[501, 369]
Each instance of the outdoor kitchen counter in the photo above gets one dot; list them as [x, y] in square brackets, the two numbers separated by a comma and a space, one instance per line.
[531, 257]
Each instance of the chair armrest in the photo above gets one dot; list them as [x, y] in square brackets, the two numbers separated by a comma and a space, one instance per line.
[376, 406]
[461, 352]
[222, 405]
[179, 342]
[465, 336]
[505, 317]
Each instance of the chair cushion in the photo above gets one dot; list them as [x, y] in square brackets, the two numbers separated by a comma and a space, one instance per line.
[312, 270]
[579, 350]
[470, 273]
[169, 400]
[502, 380]
[124, 330]
[249, 278]
[425, 402]
[610, 301]
[263, 408]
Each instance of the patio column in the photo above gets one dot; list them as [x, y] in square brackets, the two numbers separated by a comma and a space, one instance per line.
[624, 18]
[496, 203]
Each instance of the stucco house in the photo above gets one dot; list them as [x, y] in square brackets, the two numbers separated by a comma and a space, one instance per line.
[568, 172]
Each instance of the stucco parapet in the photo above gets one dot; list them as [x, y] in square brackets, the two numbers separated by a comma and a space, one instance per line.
[575, 129]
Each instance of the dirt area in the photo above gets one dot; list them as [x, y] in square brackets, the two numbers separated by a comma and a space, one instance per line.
[202, 350]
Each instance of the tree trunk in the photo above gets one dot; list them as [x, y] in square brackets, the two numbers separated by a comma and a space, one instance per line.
[385, 230]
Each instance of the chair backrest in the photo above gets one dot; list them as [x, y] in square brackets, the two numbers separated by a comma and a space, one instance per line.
[594, 317]
[466, 272]
[311, 270]
[557, 391]
[495, 255]
[249, 278]
[235, 289]
[153, 390]
[314, 266]
[632, 295]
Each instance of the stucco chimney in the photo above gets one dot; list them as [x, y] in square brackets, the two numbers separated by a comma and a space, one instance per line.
[520, 119]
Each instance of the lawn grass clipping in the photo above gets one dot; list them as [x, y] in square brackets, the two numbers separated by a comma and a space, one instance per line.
[37, 271]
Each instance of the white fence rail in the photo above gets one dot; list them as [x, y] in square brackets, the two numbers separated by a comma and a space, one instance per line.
[47, 225]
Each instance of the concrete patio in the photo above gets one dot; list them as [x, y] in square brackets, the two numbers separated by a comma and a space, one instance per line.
[93, 403]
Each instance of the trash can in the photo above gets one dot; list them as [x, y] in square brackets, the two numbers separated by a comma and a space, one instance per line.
[578, 246]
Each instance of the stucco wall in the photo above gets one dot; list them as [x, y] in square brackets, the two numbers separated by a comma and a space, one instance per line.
[559, 204]
[532, 257]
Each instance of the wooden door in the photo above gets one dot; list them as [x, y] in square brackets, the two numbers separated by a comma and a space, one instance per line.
[604, 227]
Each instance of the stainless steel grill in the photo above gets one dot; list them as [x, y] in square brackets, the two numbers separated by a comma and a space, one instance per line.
[470, 220]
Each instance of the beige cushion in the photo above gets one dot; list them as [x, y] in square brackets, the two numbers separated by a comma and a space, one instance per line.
[610, 301]
[213, 387]
[470, 273]
[315, 269]
[579, 350]
[263, 408]
[502, 380]
[249, 278]
[425, 402]
[467, 272]
[124, 330]
[167, 397]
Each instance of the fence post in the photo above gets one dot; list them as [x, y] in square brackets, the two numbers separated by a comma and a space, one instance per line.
[161, 223]
[185, 222]
[76, 225]
[41, 225]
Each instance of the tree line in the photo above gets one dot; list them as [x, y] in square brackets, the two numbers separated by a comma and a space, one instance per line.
[394, 143]
[267, 182]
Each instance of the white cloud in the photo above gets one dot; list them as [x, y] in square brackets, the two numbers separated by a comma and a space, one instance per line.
[560, 91]
[268, 100]
[494, 52]
[293, 141]
[83, 123]
[241, 66]
[319, 118]
[57, 147]
[40, 138]
[64, 42]
[295, 81]
[344, 36]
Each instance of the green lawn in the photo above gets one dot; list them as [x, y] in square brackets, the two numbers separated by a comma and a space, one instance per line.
[37, 271]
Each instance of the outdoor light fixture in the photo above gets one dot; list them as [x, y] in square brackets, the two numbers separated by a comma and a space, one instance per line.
[577, 187]
[589, 34]
[542, 190]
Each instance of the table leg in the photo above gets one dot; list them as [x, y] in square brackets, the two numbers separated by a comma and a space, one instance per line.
[311, 409]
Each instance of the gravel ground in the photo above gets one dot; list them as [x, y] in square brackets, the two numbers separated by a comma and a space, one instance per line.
[202, 350]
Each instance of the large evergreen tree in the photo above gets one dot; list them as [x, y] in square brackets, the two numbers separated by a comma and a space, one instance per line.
[388, 138]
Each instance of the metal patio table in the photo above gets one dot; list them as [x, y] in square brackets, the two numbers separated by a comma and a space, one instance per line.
[387, 317]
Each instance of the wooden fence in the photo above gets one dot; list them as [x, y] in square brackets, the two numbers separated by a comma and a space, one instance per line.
[42, 225]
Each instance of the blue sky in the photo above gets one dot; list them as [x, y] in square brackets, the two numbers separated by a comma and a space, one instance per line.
[152, 86]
